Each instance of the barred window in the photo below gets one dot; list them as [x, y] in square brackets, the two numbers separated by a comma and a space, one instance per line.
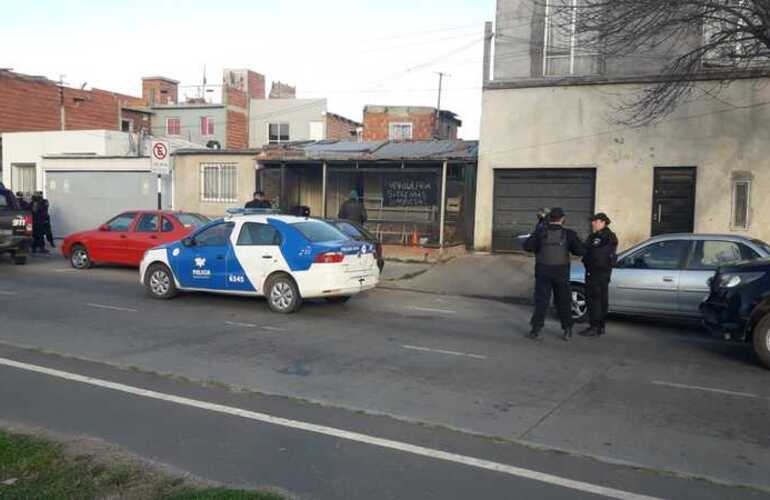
[566, 52]
[219, 182]
[741, 203]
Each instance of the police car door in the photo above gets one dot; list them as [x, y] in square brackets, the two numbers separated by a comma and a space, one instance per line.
[203, 264]
[256, 254]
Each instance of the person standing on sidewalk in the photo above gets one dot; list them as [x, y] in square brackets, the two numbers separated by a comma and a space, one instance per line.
[353, 209]
[552, 245]
[601, 255]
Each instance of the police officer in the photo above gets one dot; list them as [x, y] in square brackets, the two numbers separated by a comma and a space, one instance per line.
[552, 245]
[601, 254]
[259, 201]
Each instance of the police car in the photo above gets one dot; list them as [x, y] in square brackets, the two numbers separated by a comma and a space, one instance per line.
[253, 253]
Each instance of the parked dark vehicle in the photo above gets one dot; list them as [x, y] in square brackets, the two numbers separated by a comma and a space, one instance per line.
[15, 228]
[360, 233]
[738, 307]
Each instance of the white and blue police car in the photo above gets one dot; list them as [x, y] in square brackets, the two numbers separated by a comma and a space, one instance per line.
[258, 253]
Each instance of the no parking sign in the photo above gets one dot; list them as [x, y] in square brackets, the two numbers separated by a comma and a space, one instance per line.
[159, 155]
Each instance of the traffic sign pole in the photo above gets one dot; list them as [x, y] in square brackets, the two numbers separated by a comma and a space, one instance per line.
[160, 196]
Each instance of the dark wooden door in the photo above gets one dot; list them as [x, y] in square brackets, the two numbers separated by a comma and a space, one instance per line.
[673, 200]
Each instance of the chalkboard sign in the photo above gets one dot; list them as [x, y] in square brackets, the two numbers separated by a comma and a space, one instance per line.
[410, 190]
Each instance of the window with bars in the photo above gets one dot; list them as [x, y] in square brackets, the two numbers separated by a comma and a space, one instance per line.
[400, 131]
[566, 52]
[173, 126]
[219, 182]
[741, 204]
[207, 125]
[277, 133]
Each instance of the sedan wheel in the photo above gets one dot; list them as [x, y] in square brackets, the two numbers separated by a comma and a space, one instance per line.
[283, 295]
[761, 340]
[159, 282]
[579, 304]
[80, 258]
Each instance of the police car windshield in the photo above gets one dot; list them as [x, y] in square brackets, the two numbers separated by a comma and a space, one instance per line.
[316, 231]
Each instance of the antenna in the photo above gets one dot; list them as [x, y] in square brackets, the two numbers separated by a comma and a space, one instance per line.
[441, 76]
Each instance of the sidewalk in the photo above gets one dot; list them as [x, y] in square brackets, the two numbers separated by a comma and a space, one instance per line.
[499, 277]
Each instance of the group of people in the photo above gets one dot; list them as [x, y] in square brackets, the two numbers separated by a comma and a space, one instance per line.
[352, 209]
[552, 244]
[41, 221]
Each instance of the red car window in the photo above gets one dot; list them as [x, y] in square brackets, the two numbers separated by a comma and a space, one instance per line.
[167, 226]
[122, 222]
[148, 223]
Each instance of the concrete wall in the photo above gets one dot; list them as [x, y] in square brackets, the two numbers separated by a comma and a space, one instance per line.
[190, 117]
[567, 127]
[297, 112]
[187, 182]
[29, 147]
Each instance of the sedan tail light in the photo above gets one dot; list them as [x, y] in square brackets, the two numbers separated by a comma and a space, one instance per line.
[329, 258]
[23, 222]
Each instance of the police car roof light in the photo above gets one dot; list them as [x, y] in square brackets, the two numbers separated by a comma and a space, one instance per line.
[252, 211]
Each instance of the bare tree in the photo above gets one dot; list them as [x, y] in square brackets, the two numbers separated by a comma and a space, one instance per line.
[692, 40]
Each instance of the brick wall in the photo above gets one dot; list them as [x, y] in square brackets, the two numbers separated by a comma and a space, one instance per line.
[33, 104]
[235, 97]
[281, 90]
[377, 125]
[340, 128]
[140, 120]
[237, 130]
[153, 91]
[256, 82]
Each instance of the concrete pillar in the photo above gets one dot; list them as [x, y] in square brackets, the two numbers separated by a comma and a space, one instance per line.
[442, 216]
[323, 190]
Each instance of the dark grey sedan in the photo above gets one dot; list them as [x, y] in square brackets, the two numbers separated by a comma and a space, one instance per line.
[667, 275]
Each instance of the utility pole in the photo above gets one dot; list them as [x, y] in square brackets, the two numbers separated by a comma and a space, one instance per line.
[441, 76]
[62, 116]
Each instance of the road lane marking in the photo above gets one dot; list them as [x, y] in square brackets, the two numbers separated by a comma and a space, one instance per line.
[65, 270]
[274, 329]
[442, 351]
[430, 309]
[5, 292]
[709, 389]
[112, 308]
[243, 325]
[337, 433]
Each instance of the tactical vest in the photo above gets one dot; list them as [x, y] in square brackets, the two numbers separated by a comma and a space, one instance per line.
[554, 249]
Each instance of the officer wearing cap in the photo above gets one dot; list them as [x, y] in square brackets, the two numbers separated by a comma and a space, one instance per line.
[601, 255]
[552, 245]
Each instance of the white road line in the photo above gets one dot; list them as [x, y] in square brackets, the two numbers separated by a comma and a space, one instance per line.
[430, 309]
[243, 325]
[273, 329]
[337, 433]
[65, 270]
[442, 351]
[709, 389]
[112, 308]
[5, 292]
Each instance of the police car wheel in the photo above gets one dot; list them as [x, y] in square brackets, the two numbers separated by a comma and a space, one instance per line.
[338, 300]
[159, 282]
[579, 304]
[19, 260]
[80, 258]
[761, 340]
[283, 295]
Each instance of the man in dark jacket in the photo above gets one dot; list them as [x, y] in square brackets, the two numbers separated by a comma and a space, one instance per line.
[601, 254]
[39, 217]
[552, 246]
[23, 204]
[353, 210]
[259, 201]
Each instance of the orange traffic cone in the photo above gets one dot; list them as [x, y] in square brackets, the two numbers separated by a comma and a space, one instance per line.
[415, 238]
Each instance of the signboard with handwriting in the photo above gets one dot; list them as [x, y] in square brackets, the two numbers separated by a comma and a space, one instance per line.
[410, 190]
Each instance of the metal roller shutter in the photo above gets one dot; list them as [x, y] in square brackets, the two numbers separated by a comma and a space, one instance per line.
[519, 193]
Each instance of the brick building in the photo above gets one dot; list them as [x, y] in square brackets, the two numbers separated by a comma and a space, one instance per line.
[340, 128]
[222, 125]
[35, 103]
[405, 123]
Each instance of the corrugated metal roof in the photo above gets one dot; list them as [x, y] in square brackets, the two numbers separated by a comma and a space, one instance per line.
[437, 150]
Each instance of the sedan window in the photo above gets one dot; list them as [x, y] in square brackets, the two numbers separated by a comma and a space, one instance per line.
[148, 223]
[122, 222]
[254, 234]
[317, 231]
[166, 226]
[662, 255]
[214, 236]
[710, 254]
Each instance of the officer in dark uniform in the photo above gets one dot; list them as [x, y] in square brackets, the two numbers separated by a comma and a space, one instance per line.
[259, 201]
[552, 245]
[601, 255]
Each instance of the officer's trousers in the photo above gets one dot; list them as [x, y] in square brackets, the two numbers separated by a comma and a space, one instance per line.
[556, 283]
[597, 293]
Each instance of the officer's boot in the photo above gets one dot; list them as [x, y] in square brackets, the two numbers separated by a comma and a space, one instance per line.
[567, 336]
[535, 334]
[602, 331]
[591, 331]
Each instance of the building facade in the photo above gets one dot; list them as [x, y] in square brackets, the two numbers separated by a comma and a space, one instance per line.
[275, 121]
[409, 123]
[547, 140]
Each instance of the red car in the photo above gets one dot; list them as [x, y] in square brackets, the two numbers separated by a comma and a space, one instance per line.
[125, 238]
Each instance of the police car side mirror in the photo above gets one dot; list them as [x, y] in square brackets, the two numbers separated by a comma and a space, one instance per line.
[188, 242]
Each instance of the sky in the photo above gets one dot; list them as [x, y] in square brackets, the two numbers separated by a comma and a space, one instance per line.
[353, 53]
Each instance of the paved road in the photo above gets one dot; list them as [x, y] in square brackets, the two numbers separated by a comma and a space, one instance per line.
[660, 397]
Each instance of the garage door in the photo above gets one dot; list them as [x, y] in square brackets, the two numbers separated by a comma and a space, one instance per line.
[519, 193]
[83, 200]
